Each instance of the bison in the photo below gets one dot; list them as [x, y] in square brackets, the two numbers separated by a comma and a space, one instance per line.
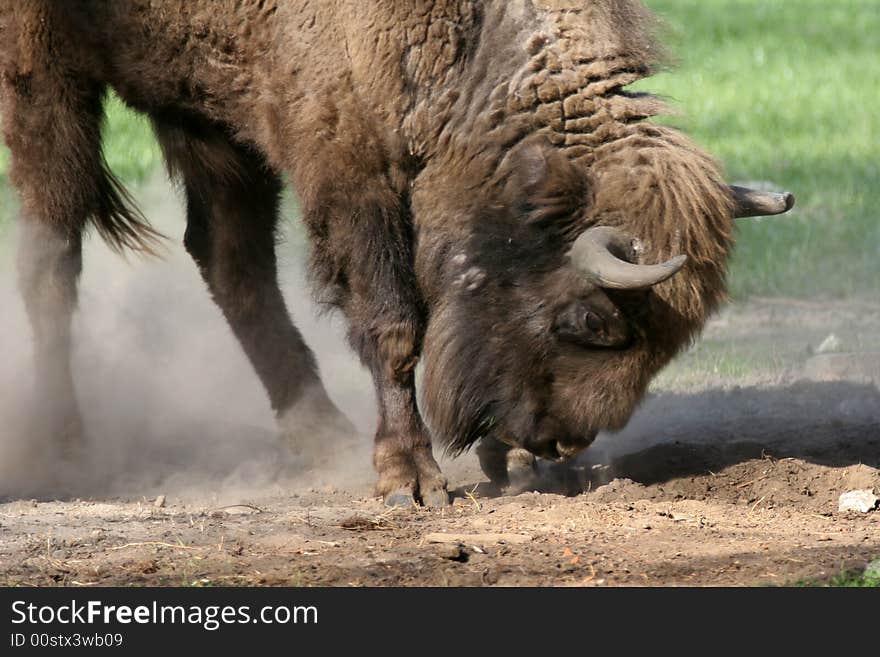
[481, 191]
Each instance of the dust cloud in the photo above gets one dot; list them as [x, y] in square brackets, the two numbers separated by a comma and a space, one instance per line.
[169, 401]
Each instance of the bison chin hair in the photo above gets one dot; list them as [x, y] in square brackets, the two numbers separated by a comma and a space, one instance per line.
[472, 387]
[488, 350]
[506, 379]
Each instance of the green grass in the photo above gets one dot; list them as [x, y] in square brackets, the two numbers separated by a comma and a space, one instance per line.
[727, 359]
[129, 145]
[849, 579]
[779, 90]
[786, 91]
[855, 580]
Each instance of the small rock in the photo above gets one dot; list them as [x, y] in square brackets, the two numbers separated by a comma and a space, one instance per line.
[159, 502]
[862, 501]
[829, 345]
[451, 552]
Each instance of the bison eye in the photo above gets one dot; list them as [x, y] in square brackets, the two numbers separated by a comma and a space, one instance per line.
[593, 322]
[590, 326]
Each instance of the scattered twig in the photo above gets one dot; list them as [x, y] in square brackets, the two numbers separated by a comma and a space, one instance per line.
[749, 483]
[477, 539]
[470, 495]
[360, 523]
[592, 575]
[236, 506]
[757, 503]
[157, 543]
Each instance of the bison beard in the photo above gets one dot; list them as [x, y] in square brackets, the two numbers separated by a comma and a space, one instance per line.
[478, 187]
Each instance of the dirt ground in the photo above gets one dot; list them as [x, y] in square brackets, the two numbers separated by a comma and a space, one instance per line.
[720, 479]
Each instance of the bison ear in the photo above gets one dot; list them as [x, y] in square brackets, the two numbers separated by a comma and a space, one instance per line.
[546, 188]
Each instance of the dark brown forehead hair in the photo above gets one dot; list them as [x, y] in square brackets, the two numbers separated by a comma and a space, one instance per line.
[528, 217]
[483, 343]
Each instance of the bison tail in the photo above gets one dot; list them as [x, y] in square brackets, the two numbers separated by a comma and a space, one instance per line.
[119, 222]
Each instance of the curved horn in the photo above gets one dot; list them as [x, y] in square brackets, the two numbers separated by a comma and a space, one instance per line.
[752, 203]
[592, 255]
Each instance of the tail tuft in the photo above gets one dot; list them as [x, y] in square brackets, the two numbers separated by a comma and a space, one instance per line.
[118, 221]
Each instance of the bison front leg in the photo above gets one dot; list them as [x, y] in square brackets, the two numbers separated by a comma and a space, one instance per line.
[402, 455]
[388, 344]
[232, 204]
[362, 255]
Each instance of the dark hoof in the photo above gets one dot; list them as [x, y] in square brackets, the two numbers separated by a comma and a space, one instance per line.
[493, 461]
[512, 470]
[315, 429]
[435, 499]
[400, 498]
[522, 474]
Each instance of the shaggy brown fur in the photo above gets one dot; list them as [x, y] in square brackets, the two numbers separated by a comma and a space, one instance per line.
[446, 153]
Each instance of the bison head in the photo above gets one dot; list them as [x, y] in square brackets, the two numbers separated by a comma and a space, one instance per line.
[549, 325]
